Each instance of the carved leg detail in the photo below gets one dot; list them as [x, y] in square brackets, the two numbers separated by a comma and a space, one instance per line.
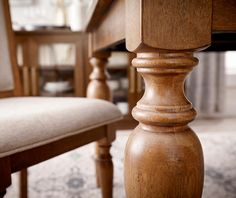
[98, 88]
[163, 155]
[105, 168]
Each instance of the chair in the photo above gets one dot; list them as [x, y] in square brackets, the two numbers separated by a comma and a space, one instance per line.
[34, 129]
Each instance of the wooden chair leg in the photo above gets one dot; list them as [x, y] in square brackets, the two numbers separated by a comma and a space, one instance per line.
[97, 166]
[23, 183]
[5, 175]
[105, 168]
[3, 193]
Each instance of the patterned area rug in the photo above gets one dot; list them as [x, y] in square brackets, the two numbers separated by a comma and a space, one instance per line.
[72, 175]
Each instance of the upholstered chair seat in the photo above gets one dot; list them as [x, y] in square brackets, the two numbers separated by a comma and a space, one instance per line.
[28, 122]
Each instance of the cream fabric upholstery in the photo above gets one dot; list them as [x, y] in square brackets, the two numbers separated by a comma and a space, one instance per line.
[6, 77]
[27, 122]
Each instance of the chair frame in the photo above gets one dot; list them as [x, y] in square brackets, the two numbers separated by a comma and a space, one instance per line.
[25, 159]
[104, 135]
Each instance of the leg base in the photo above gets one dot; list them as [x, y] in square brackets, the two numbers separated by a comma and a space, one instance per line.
[163, 164]
[105, 168]
[23, 183]
[2, 194]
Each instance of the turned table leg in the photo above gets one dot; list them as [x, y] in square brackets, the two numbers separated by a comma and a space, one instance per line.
[98, 88]
[163, 155]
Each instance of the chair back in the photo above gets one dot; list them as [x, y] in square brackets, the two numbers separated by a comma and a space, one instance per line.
[9, 74]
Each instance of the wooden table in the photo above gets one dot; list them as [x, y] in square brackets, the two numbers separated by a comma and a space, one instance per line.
[163, 156]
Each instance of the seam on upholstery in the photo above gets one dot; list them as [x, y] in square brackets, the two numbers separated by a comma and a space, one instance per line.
[41, 143]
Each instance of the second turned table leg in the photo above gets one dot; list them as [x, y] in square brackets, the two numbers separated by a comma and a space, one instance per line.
[98, 88]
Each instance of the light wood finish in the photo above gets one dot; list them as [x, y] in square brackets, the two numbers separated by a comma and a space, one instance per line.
[167, 154]
[163, 155]
[224, 15]
[32, 63]
[26, 80]
[96, 11]
[135, 84]
[31, 41]
[98, 88]
[107, 22]
[82, 68]
[127, 123]
[111, 27]
[151, 24]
